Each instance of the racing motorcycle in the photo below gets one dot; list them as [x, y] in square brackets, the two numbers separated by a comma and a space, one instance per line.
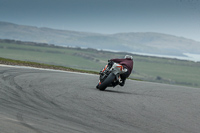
[110, 75]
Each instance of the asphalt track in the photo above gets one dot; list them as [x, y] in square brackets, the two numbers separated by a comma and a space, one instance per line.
[43, 101]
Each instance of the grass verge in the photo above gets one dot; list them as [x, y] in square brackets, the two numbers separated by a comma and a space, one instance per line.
[41, 65]
[47, 66]
[146, 68]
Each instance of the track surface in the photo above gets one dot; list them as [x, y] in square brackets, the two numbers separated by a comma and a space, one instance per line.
[42, 101]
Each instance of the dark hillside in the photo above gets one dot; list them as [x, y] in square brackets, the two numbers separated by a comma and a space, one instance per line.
[148, 42]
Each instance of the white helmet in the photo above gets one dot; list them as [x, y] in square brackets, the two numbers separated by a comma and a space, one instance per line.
[128, 57]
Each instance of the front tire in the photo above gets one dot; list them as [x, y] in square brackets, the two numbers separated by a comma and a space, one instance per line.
[107, 82]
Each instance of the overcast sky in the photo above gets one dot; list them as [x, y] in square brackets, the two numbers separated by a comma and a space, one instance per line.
[175, 17]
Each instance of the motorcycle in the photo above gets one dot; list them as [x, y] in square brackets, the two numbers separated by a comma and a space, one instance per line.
[110, 75]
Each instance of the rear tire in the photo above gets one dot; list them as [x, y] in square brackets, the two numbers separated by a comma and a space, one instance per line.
[107, 82]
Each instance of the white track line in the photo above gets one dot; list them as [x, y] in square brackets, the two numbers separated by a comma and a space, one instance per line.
[46, 69]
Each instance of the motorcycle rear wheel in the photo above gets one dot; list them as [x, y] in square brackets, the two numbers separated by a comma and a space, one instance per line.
[107, 82]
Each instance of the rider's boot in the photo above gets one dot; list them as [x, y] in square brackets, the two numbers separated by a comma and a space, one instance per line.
[122, 82]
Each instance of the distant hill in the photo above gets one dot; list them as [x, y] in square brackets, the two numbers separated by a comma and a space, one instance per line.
[147, 42]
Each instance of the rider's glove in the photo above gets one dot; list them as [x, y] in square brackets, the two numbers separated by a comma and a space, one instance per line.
[110, 63]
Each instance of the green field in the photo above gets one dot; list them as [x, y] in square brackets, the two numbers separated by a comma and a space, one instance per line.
[163, 70]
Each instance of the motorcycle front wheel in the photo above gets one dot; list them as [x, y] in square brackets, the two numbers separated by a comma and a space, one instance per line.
[107, 82]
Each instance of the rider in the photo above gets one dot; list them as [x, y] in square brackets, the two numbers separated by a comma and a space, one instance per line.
[127, 63]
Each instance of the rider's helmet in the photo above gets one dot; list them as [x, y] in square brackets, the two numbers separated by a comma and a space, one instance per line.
[128, 57]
